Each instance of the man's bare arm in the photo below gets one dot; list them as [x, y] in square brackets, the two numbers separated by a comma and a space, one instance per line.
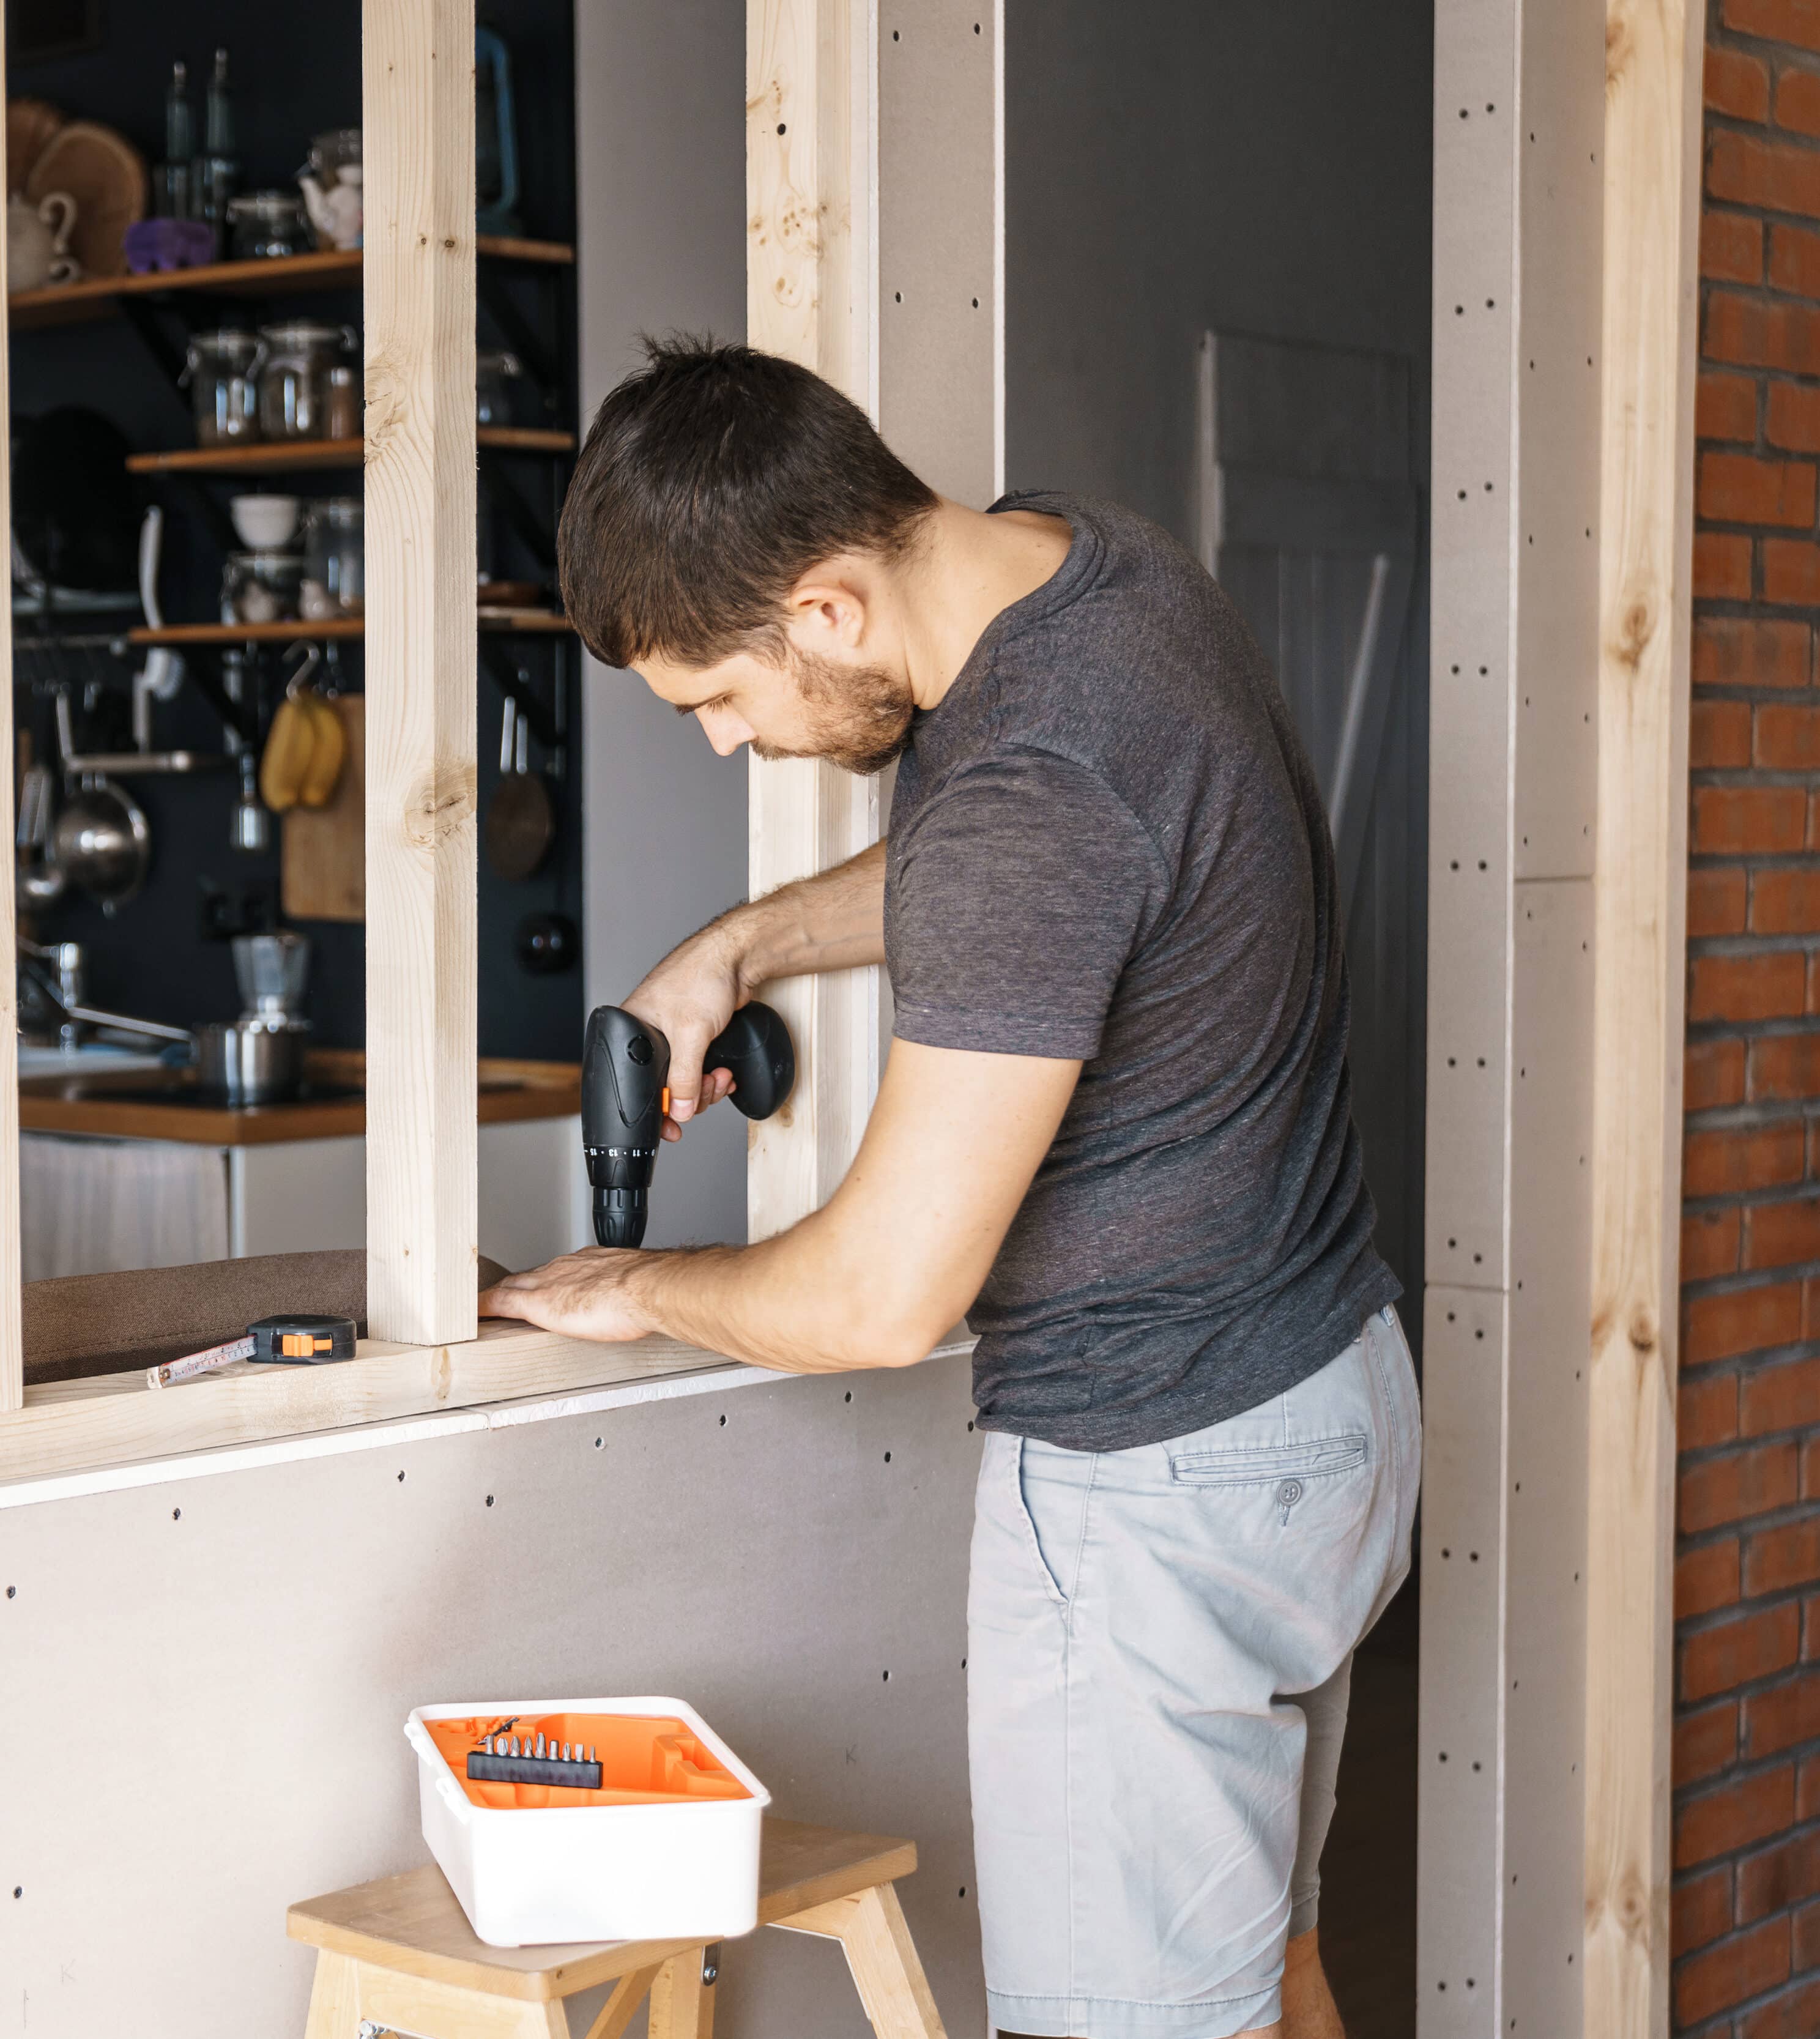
[835, 920]
[875, 1277]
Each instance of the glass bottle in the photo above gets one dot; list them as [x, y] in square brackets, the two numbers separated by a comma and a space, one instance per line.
[177, 173]
[217, 168]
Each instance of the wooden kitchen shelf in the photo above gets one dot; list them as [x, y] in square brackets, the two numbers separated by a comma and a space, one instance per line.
[515, 622]
[281, 456]
[67, 303]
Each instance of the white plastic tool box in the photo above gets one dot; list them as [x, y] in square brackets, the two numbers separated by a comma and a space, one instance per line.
[667, 1848]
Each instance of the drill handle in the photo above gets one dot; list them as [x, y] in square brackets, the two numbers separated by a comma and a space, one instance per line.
[755, 1046]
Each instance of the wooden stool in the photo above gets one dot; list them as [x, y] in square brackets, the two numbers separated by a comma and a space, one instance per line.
[399, 1955]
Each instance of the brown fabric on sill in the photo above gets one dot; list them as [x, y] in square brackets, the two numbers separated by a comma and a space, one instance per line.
[81, 1325]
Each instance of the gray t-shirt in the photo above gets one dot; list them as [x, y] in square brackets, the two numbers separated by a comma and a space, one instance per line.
[1107, 843]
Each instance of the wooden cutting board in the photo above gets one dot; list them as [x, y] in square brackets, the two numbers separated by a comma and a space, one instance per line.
[324, 863]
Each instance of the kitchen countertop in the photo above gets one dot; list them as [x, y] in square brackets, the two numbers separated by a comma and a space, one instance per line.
[162, 1104]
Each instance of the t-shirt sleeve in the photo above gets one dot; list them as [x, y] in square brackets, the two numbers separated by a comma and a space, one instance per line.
[1019, 892]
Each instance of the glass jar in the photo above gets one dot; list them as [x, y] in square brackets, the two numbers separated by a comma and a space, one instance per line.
[262, 587]
[345, 404]
[294, 383]
[221, 369]
[496, 370]
[267, 225]
[334, 558]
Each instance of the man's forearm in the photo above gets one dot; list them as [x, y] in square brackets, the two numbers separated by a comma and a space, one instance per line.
[834, 920]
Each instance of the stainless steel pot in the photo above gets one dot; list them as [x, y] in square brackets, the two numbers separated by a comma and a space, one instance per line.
[250, 1061]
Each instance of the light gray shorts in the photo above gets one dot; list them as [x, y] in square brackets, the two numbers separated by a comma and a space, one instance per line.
[1159, 1645]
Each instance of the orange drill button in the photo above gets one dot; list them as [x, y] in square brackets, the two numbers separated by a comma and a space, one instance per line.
[667, 1100]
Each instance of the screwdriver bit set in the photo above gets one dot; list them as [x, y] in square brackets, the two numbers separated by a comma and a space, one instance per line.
[505, 1758]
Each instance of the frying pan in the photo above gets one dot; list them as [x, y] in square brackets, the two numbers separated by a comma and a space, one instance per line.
[520, 822]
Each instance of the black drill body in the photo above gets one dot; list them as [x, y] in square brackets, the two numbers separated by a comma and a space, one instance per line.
[625, 1072]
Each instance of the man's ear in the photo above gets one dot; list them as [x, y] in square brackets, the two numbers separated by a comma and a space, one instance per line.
[828, 608]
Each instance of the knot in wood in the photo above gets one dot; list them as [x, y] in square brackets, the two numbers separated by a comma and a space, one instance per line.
[441, 803]
[385, 404]
[1643, 1332]
[442, 1374]
[1620, 44]
[1631, 1908]
[1635, 628]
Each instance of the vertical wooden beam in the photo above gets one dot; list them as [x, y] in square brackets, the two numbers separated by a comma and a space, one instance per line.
[418, 118]
[810, 295]
[11, 1351]
[875, 138]
[1652, 156]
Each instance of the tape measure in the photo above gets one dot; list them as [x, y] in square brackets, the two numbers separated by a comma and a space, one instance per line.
[295, 1338]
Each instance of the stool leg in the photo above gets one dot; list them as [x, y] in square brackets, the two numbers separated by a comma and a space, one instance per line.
[617, 2013]
[334, 1998]
[883, 1956]
[681, 1998]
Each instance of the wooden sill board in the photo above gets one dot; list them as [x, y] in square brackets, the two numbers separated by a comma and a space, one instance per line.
[74, 1426]
[544, 1090]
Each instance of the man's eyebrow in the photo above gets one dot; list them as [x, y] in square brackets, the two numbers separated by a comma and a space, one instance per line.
[692, 707]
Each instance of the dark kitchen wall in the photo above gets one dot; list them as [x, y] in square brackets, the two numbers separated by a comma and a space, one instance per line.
[296, 72]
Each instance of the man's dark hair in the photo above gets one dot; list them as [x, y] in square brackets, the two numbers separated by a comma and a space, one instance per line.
[712, 480]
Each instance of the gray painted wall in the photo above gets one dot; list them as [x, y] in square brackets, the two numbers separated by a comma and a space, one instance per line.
[660, 100]
[1172, 166]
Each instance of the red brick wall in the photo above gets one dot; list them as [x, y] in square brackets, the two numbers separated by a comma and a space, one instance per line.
[1747, 1581]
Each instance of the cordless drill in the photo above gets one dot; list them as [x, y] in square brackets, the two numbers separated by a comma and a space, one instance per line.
[625, 1093]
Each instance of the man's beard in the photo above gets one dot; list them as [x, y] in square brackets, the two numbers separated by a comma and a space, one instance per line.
[860, 715]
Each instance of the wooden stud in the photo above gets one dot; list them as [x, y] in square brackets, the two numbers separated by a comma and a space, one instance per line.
[12, 1347]
[620, 2009]
[681, 1998]
[1652, 159]
[887, 1970]
[421, 873]
[810, 296]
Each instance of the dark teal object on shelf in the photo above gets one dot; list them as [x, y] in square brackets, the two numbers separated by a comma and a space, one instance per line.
[496, 137]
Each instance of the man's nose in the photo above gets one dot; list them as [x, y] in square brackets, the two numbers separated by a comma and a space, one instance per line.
[726, 732]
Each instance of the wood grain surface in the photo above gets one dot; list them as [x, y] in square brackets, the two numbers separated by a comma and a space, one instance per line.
[1652, 160]
[421, 847]
[413, 1922]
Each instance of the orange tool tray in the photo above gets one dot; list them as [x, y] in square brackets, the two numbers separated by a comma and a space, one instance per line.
[645, 1760]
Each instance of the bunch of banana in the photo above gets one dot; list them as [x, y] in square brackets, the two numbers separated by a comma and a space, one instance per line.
[305, 751]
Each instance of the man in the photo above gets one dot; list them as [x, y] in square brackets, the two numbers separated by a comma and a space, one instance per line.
[1114, 1129]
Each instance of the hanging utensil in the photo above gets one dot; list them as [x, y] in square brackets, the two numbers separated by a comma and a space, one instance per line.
[520, 822]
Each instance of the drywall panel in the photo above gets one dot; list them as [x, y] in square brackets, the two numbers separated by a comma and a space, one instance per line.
[940, 236]
[1545, 1457]
[661, 181]
[1518, 128]
[1462, 1623]
[790, 1560]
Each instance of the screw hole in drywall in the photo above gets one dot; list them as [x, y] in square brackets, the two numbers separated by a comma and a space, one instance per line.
[18, 1890]
[899, 296]
[12, 1592]
[976, 304]
[850, 1395]
[895, 37]
[1443, 1755]
[177, 1515]
[723, 1422]
[963, 1890]
[887, 1677]
[1446, 1552]
[969, 1430]
[400, 1480]
[598, 1442]
[888, 1458]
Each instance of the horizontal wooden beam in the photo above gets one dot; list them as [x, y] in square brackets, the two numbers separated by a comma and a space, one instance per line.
[85, 1425]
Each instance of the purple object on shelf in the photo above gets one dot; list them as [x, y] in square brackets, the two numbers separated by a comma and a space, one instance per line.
[168, 244]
